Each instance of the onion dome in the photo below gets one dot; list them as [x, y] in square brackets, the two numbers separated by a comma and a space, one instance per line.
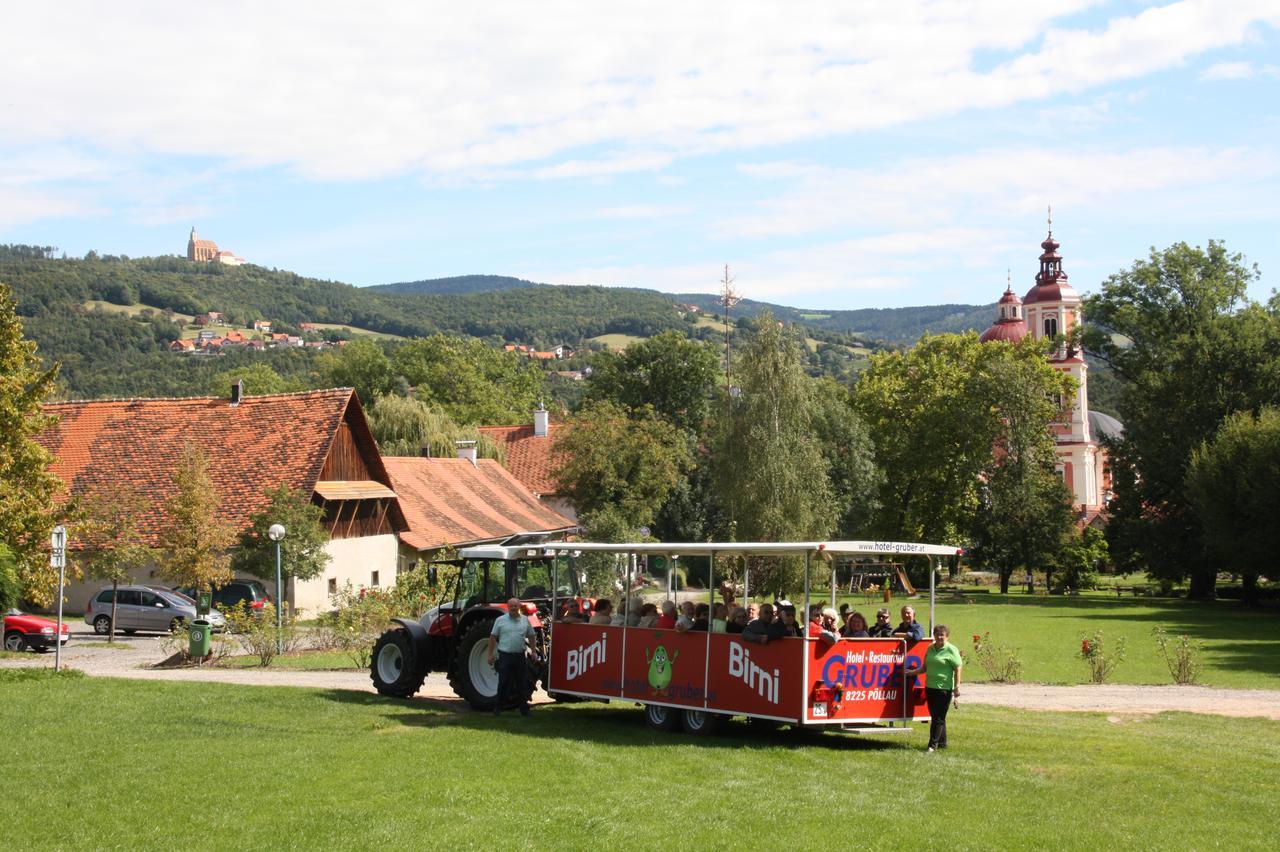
[1051, 281]
[1009, 324]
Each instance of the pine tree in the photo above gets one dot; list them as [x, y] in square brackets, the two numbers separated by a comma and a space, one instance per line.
[196, 541]
[27, 487]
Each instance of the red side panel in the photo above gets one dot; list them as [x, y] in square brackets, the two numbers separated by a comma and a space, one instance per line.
[587, 658]
[861, 680]
[665, 666]
[762, 680]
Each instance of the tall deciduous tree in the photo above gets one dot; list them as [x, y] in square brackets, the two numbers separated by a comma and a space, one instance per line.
[361, 364]
[302, 550]
[671, 373]
[114, 547]
[620, 461]
[471, 381]
[196, 541]
[1025, 515]
[27, 487]
[770, 461]
[404, 425]
[1179, 329]
[1233, 483]
[850, 455]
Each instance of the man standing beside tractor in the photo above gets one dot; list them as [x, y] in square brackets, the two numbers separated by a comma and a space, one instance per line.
[511, 634]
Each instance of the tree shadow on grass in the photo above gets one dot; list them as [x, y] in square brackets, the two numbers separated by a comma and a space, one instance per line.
[1245, 640]
[624, 726]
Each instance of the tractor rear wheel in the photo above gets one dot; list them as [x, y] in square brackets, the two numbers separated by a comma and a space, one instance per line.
[394, 668]
[471, 676]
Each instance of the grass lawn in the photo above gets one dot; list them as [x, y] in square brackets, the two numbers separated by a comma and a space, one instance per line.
[297, 768]
[1241, 648]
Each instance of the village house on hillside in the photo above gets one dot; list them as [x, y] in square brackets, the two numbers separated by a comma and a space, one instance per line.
[530, 460]
[207, 251]
[317, 442]
[464, 501]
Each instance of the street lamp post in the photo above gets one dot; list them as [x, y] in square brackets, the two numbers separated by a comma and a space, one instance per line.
[275, 533]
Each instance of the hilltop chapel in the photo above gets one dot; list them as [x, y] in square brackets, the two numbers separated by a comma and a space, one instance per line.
[1051, 309]
[206, 251]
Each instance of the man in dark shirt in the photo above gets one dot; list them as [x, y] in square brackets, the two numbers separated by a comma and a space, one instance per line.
[909, 627]
[882, 628]
[764, 629]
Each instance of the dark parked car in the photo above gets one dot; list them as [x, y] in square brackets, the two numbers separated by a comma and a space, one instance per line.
[251, 592]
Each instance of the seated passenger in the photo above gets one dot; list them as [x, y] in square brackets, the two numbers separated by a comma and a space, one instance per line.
[909, 627]
[737, 620]
[603, 613]
[882, 628]
[824, 626]
[667, 621]
[647, 616]
[685, 621]
[719, 618]
[790, 626]
[855, 627]
[572, 613]
[753, 612]
[701, 617]
[764, 629]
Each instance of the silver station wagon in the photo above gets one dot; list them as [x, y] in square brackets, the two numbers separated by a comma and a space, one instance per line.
[149, 608]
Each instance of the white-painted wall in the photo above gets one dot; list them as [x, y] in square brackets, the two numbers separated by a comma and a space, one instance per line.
[353, 560]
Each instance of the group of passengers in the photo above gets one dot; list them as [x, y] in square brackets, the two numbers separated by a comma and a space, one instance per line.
[760, 624]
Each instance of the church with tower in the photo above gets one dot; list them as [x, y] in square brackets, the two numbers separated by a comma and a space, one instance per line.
[207, 251]
[1051, 309]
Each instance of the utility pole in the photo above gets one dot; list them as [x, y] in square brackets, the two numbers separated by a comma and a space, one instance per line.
[728, 298]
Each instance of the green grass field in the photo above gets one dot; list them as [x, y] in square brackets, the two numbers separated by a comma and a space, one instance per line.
[145, 765]
[354, 331]
[1241, 647]
[617, 341]
[130, 310]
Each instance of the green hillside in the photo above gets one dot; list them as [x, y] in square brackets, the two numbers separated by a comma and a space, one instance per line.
[457, 285]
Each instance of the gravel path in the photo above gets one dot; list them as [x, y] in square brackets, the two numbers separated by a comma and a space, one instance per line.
[135, 655]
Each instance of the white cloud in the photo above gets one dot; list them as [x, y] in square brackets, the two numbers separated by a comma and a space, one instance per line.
[1238, 71]
[338, 91]
[941, 190]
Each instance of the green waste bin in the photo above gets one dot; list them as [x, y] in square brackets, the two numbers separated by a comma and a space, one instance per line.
[201, 638]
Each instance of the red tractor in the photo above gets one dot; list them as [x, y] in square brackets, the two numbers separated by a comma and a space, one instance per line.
[453, 637]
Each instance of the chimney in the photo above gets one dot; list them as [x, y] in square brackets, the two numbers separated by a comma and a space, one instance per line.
[541, 418]
[466, 450]
[237, 392]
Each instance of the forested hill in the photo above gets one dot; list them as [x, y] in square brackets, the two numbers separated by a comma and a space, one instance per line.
[537, 315]
[457, 285]
[894, 325]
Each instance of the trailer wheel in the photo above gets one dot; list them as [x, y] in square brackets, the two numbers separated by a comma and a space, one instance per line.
[661, 718]
[393, 668]
[471, 676]
[701, 723]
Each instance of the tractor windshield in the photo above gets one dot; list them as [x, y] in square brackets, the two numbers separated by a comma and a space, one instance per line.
[533, 580]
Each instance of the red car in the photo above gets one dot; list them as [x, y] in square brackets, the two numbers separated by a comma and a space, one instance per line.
[30, 631]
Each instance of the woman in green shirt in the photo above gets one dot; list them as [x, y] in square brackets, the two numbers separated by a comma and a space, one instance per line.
[941, 668]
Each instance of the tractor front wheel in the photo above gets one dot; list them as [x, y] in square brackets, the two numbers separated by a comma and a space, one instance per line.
[394, 667]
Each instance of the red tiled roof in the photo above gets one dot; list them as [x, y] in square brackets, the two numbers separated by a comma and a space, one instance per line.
[452, 501]
[529, 458]
[259, 444]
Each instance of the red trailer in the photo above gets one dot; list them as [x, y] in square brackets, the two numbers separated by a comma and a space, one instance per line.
[700, 678]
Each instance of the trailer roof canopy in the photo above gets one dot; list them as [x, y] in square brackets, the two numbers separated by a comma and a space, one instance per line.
[745, 548]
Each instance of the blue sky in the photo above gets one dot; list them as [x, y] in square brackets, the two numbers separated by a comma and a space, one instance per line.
[840, 155]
